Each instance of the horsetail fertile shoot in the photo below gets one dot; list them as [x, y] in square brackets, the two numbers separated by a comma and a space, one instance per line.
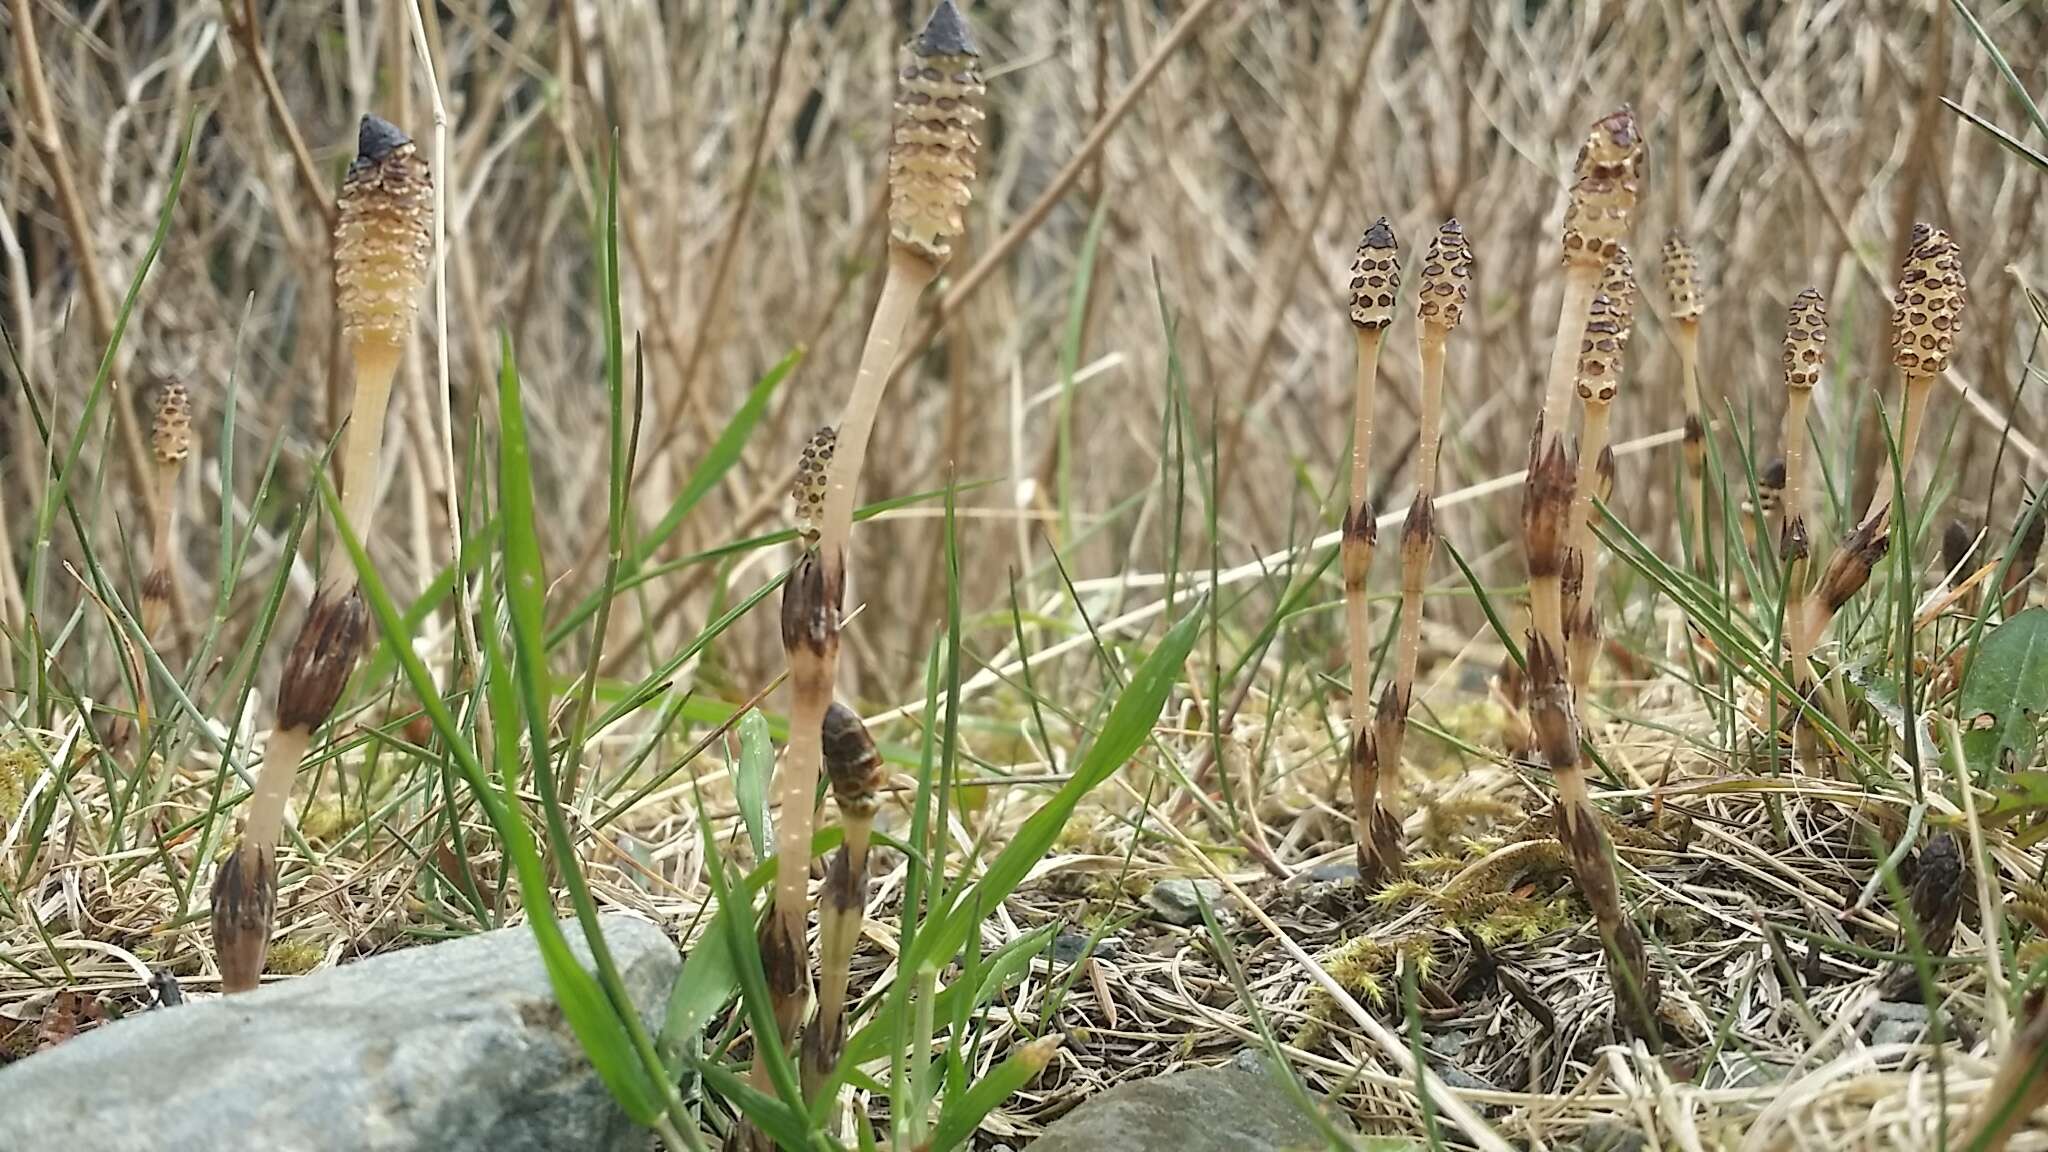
[1806, 339]
[1375, 282]
[1927, 316]
[1600, 370]
[381, 244]
[1446, 280]
[170, 436]
[932, 155]
[1682, 288]
[855, 771]
[1602, 200]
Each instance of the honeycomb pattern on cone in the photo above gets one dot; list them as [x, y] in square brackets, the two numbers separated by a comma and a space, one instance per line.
[807, 490]
[170, 427]
[1375, 277]
[1927, 310]
[1604, 185]
[1601, 351]
[383, 237]
[1446, 277]
[933, 145]
[1681, 278]
[1806, 338]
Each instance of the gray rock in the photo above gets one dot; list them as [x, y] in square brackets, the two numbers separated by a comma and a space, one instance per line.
[1224, 1109]
[1897, 1022]
[1072, 947]
[1174, 900]
[457, 1047]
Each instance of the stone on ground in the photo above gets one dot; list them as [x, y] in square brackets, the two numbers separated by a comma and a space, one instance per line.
[456, 1047]
[1225, 1109]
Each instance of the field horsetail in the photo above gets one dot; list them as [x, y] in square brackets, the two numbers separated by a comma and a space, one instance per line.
[382, 241]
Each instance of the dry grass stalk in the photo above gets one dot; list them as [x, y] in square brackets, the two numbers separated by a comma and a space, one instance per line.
[170, 441]
[855, 770]
[2021, 1086]
[931, 179]
[1601, 355]
[1682, 287]
[381, 245]
[1927, 316]
[1446, 279]
[1603, 199]
[1806, 338]
[1375, 283]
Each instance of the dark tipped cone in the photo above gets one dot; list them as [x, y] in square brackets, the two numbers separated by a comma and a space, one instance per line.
[1380, 235]
[378, 138]
[945, 33]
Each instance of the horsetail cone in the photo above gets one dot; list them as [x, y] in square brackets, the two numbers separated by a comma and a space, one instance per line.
[170, 427]
[851, 762]
[1681, 279]
[932, 151]
[1604, 185]
[1600, 352]
[1806, 338]
[1446, 278]
[1375, 278]
[807, 491]
[1927, 309]
[383, 236]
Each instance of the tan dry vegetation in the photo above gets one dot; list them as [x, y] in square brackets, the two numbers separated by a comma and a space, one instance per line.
[1793, 145]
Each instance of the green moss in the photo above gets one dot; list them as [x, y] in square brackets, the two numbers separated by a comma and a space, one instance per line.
[295, 956]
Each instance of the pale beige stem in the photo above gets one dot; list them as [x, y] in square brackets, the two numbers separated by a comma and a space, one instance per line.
[1429, 431]
[1918, 387]
[377, 363]
[281, 756]
[1687, 338]
[1592, 442]
[1581, 284]
[1797, 400]
[1365, 387]
[909, 274]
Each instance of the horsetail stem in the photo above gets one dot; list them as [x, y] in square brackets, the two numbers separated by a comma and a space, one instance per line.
[1927, 316]
[1601, 354]
[1375, 283]
[855, 770]
[1682, 288]
[1806, 338]
[1602, 201]
[381, 244]
[932, 154]
[170, 439]
[1439, 308]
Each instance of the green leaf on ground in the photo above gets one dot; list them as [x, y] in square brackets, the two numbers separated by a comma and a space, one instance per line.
[2007, 693]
